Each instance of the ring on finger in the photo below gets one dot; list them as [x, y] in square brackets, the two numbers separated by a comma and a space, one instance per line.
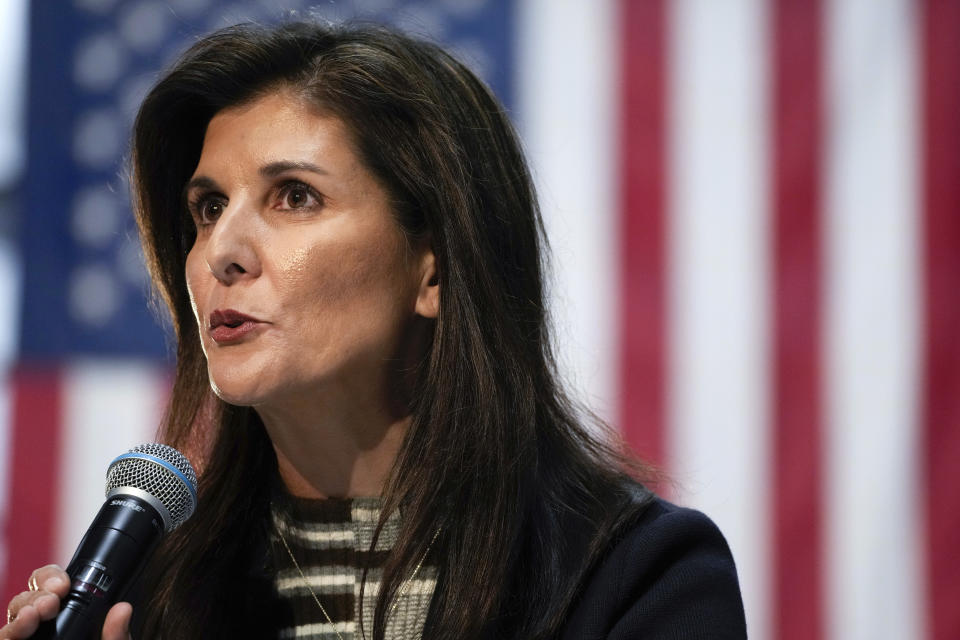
[32, 583]
[11, 616]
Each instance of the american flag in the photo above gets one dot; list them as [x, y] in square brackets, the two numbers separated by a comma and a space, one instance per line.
[754, 207]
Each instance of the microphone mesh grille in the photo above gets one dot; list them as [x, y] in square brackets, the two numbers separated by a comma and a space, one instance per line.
[164, 485]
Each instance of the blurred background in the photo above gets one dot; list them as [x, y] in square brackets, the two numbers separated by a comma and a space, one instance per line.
[754, 207]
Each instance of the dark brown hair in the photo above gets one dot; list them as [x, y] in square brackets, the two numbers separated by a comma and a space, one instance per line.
[496, 453]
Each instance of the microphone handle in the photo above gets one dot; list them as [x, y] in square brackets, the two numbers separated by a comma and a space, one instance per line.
[112, 552]
[69, 623]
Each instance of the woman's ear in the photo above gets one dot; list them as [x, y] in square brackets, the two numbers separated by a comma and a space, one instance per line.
[428, 295]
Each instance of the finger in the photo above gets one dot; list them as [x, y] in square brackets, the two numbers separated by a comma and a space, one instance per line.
[46, 604]
[117, 624]
[25, 622]
[20, 601]
[50, 578]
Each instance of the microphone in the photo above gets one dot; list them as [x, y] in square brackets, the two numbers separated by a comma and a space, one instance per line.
[151, 490]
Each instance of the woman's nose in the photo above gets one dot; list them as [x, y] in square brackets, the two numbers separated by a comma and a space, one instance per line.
[232, 251]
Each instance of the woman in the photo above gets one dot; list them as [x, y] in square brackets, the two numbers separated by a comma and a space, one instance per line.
[342, 225]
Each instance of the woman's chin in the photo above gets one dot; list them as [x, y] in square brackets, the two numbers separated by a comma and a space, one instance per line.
[236, 392]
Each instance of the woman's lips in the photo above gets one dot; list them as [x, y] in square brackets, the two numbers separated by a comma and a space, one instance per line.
[229, 326]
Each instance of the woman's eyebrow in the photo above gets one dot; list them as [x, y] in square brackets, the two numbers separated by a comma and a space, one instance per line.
[199, 182]
[282, 166]
[270, 170]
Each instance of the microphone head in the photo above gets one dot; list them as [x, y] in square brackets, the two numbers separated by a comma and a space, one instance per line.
[159, 474]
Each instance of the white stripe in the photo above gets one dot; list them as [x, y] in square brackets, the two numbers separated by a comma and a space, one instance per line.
[874, 589]
[368, 515]
[292, 581]
[416, 587]
[14, 27]
[718, 270]
[108, 408]
[335, 537]
[326, 582]
[566, 66]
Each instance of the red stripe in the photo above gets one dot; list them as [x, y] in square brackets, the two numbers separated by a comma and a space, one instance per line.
[33, 476]
[642, 328]
[941, 389]
[797, 505]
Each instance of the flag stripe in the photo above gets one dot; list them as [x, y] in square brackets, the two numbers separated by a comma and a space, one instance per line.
[941, 375]
[796, 420]
[6, 462]
[871, 320]
[642, 226]
[565, 84]
[108, 408]
[36, 458]
[718, 276]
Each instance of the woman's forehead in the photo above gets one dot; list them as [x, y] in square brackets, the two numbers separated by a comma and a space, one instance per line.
[278, 132]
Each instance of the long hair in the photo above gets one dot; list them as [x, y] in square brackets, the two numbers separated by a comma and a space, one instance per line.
[496, 454]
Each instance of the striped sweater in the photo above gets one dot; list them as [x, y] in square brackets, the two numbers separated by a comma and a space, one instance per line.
[330, 540]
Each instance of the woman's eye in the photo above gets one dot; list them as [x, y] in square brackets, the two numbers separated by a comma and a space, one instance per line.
[207, 209]
[296, 195]
[212, 210]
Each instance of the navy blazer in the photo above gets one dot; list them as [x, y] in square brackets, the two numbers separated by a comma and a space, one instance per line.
[669, 576]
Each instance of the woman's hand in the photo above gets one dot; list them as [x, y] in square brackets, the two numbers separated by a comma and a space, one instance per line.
[42, 602]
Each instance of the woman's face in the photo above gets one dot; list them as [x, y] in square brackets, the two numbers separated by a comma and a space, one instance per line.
[300, 278]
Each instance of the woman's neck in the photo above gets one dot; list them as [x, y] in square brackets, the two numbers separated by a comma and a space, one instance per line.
[320, 455]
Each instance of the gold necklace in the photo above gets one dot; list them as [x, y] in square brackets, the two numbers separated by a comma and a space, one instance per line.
[396, 601]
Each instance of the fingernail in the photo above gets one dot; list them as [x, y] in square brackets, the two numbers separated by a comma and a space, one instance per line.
[53, 583]
[45, 601]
